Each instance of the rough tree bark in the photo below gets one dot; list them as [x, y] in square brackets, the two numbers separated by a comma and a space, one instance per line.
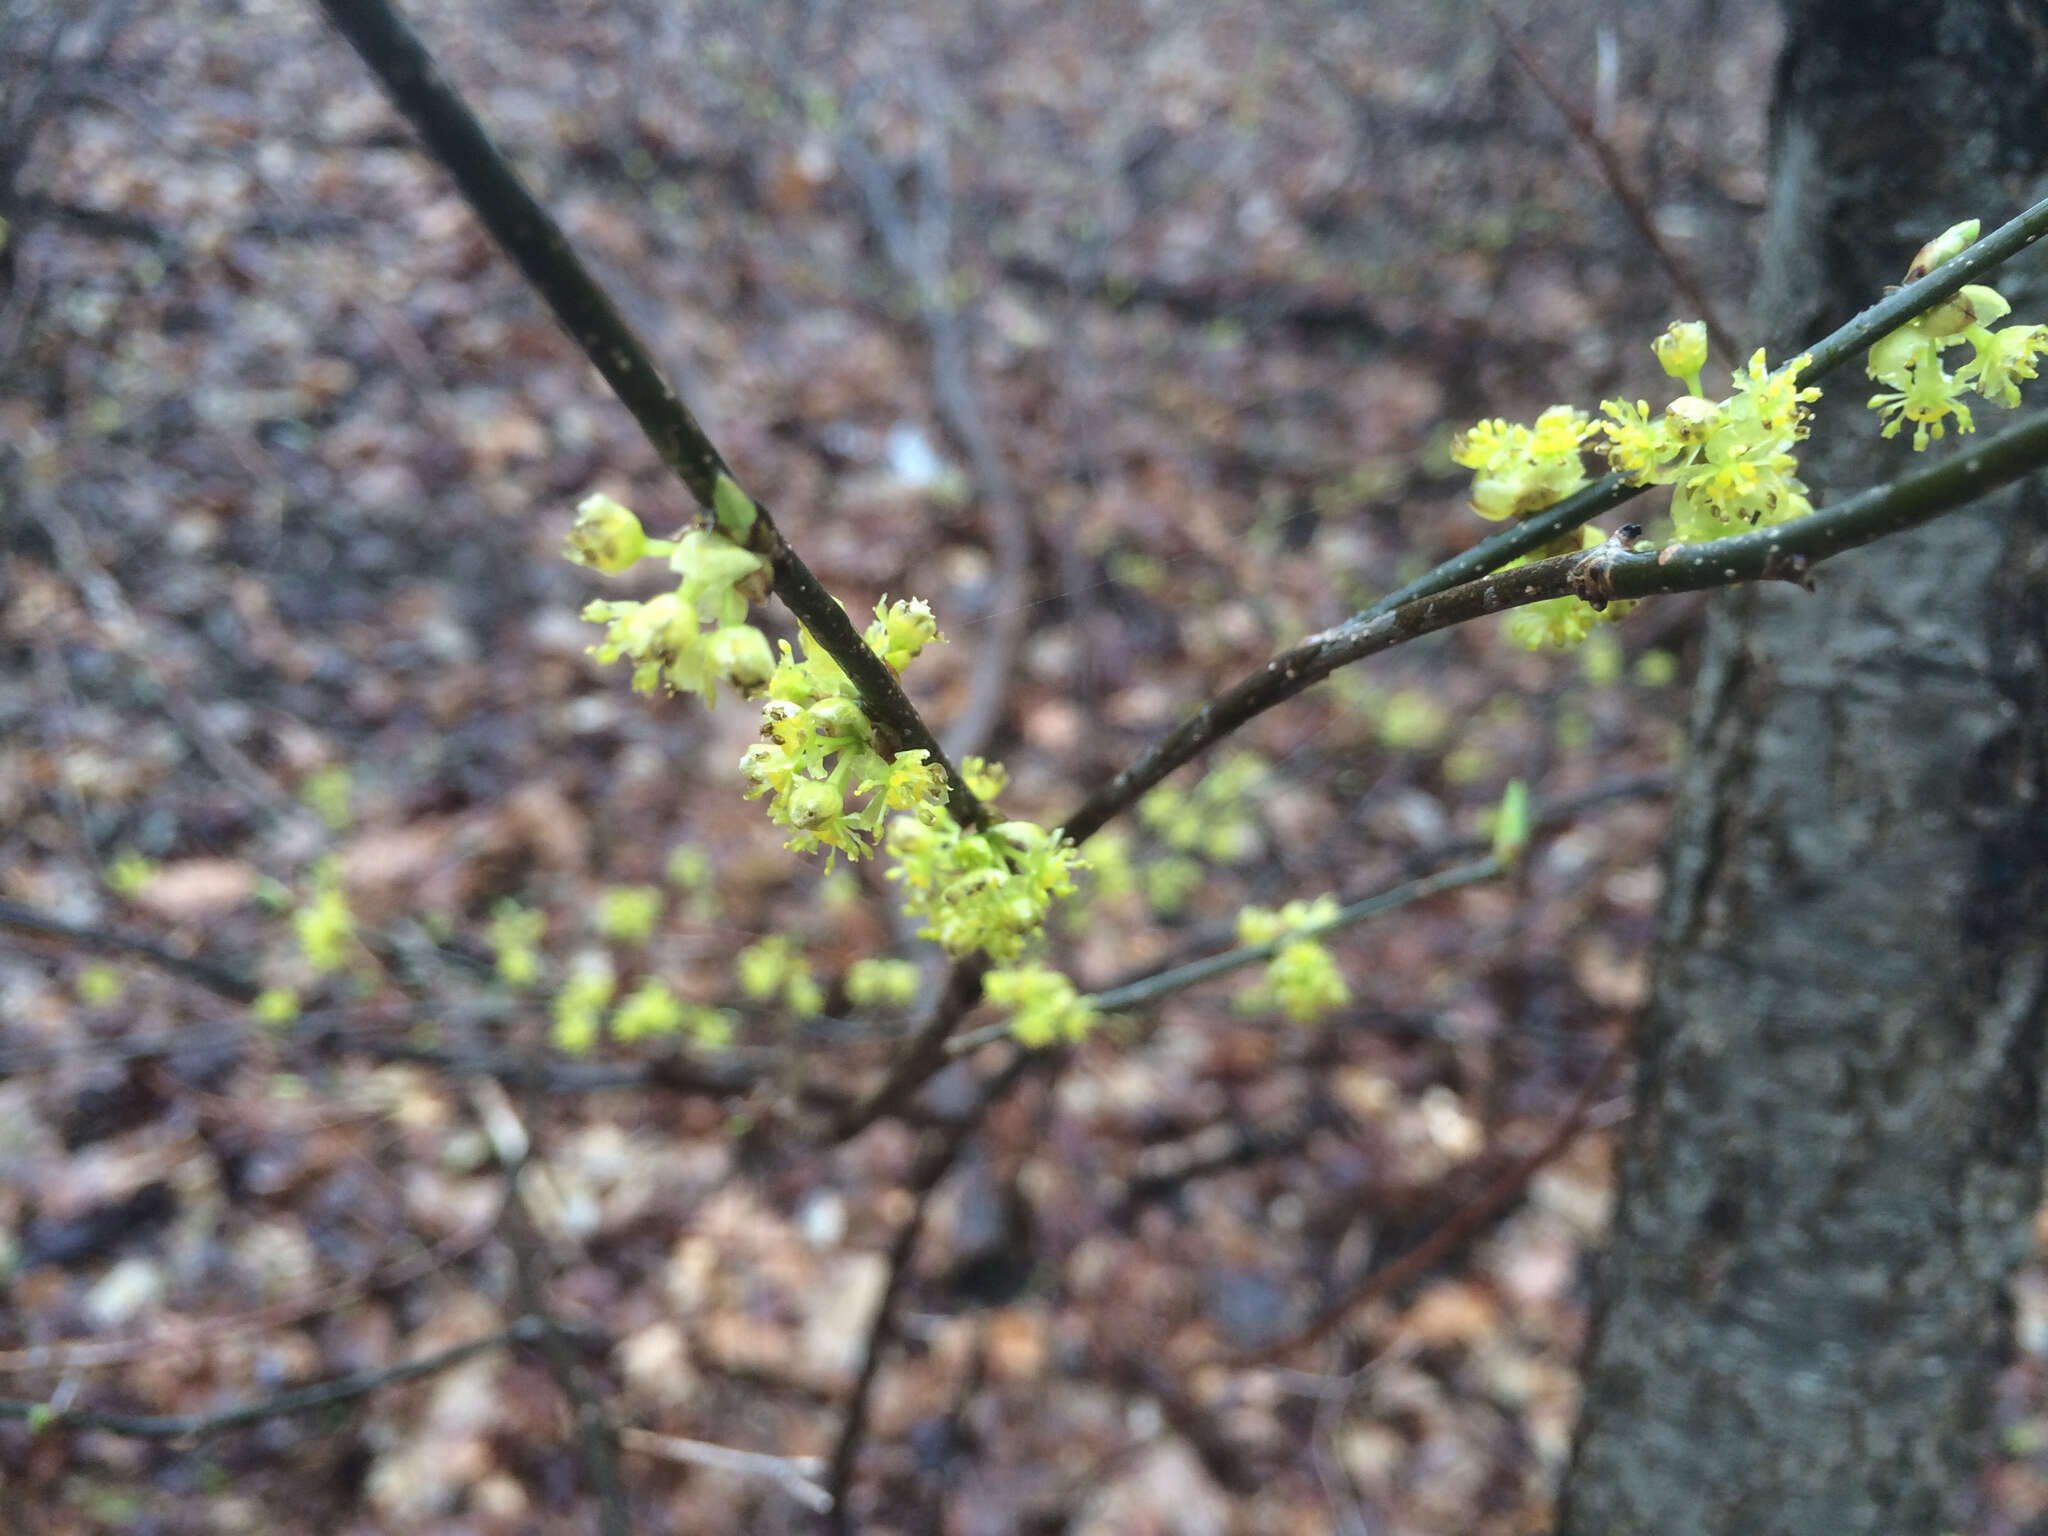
[1838, 1147]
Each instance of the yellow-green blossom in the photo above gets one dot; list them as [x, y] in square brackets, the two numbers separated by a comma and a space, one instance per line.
[628, 912]
[275, 1005]
[129, 873]
[665, 636]
[774, 968]
[1171, 881]
[607, 536]
[985, 891]
[1729, 462]
[580, 1004]
[1520, 470]
[902, 629]
[99, 984]
[325, 927]
[881, 983]
[1682, 352]
[328, 791]
[1302, 979]
[652, 1010]
[514, 932]
[689, 868]
[1044, 1006]
[1924, 392]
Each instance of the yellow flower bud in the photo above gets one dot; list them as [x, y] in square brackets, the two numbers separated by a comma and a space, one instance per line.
[1946, 246]
[1682, 350]
[739, 654]
[812, 803]
[839, 717]
[607, 535]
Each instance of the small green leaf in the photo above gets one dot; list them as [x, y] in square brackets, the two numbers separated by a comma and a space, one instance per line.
[1511, 823]
[734, 508]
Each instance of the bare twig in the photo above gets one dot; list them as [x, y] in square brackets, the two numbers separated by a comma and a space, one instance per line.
[940, 1153]
[27, 921]
[325, 1394]
[792, 1474]
[1622, 185]
[188, 1335]
[528, 233]
[596, 1438]
[920, 255]
[927, 1050]
[1447, 1239]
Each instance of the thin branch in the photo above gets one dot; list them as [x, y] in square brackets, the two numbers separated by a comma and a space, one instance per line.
[1205, 938]
[958, 994]
[1465, 1224]
[939, 1156]
[1784, 552]
[922, 262]
[1825, 355]
[1137, 994]
[792, 1474]
[1622, 185]
[1149, 989]
[28, 921]
[596, 1438]
[528, 233]
[206, 1333]
[934, 1047]
[104, 223]
[323, 1394]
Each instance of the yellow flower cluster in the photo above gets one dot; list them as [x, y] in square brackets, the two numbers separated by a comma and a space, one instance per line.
[1302, 979]
[818, 754]
[1909, 359]
[1729, 462]
[980, 890]
[1044, 1006]
[1518, 469]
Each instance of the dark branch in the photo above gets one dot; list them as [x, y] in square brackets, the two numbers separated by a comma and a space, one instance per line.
[1784, 552]
[939, 1156]
[325, 1394]
[1825, 355]
[16, 918]
[529, 234]
[1622, 185]
[958, 994]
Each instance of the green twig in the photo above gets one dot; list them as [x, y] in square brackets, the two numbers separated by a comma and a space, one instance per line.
[1826, 355]
[1149, 989]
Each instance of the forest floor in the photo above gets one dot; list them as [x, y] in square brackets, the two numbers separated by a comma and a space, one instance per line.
[288, 451]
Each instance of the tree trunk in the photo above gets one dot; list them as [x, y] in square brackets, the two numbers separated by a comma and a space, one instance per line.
[1838, 1144]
